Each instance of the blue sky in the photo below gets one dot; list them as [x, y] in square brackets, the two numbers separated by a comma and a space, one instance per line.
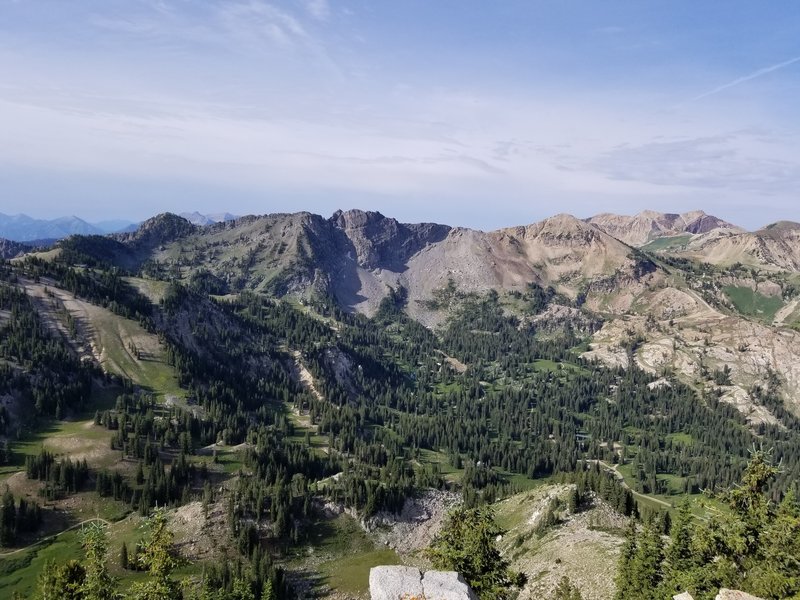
[480, 114]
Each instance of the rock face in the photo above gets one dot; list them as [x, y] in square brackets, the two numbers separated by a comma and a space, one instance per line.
[395, 583]
[649, 225]
[776, 247]
[409, 583]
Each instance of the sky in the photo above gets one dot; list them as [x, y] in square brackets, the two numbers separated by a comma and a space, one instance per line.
[475, 113]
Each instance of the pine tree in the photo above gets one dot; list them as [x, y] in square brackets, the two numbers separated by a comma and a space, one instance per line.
[645, 568]
[466, 544]
[61, 582]
[624, 578]
[156, 556]
[242, 590]
[123, 556]
[98, 583]
[679, 554]
[268, 593]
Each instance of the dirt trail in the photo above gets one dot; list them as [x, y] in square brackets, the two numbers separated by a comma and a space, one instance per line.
[305, 376]
[636, 494]
[55, 535]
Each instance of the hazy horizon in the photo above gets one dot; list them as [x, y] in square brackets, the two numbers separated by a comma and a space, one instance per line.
[126, 222]
[458, 112]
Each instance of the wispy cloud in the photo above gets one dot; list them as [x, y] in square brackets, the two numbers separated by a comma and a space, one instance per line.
[746, 78]
[318, 9]
[739, 161]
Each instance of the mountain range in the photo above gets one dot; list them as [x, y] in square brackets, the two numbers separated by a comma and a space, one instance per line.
[22, 228]
[688, 272]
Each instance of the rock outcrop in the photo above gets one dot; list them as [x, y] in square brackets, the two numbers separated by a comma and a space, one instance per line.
[724, 594]
[409, 583]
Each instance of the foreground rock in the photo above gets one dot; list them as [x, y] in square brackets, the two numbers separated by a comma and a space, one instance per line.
[723, 595]
[409, 583]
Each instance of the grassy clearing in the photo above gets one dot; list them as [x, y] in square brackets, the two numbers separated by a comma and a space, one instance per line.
[680, 438]
[440, 459]
[302, 426]
[155, 290]
[665, 243]
[76, 439]
[348, 555]
[753, 304]
[350, 574]
[116, 336]
[20, 572]
[230, 459]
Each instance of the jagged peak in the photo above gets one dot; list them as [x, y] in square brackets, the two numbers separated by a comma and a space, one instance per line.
[355, 218]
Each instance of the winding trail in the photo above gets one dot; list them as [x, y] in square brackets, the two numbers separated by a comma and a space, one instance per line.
[636, 494]
[55, 535]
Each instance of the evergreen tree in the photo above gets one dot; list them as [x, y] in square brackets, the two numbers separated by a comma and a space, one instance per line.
[98, 583]
[61, 582]
[679, 556]
[123, 556]
[466, 544]
[156, 555]
[645, 568]
[624, 579]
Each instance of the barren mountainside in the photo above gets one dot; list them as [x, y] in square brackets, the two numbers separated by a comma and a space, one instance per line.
[775, 247]
[649, 225]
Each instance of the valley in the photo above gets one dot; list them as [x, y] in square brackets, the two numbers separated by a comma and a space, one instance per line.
[307, 396]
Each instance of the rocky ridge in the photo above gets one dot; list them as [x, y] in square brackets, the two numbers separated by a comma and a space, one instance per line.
[648, 225]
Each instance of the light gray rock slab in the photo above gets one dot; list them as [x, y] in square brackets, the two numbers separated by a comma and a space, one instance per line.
[683, 596]
[446, 585]
[734, 595]
[395, 583]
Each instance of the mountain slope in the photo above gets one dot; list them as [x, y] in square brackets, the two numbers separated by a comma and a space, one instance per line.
[649, 225]
[11, 249]
[774, 247]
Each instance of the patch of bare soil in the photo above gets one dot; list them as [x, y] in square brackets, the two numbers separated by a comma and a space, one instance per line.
[414, 528]
[457, 365]
[304, 376]
[584, 547]
[199, 535]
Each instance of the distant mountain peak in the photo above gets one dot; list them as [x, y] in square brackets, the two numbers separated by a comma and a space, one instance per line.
[162, 228]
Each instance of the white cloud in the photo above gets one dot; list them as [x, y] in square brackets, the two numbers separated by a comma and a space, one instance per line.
[318, 9]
